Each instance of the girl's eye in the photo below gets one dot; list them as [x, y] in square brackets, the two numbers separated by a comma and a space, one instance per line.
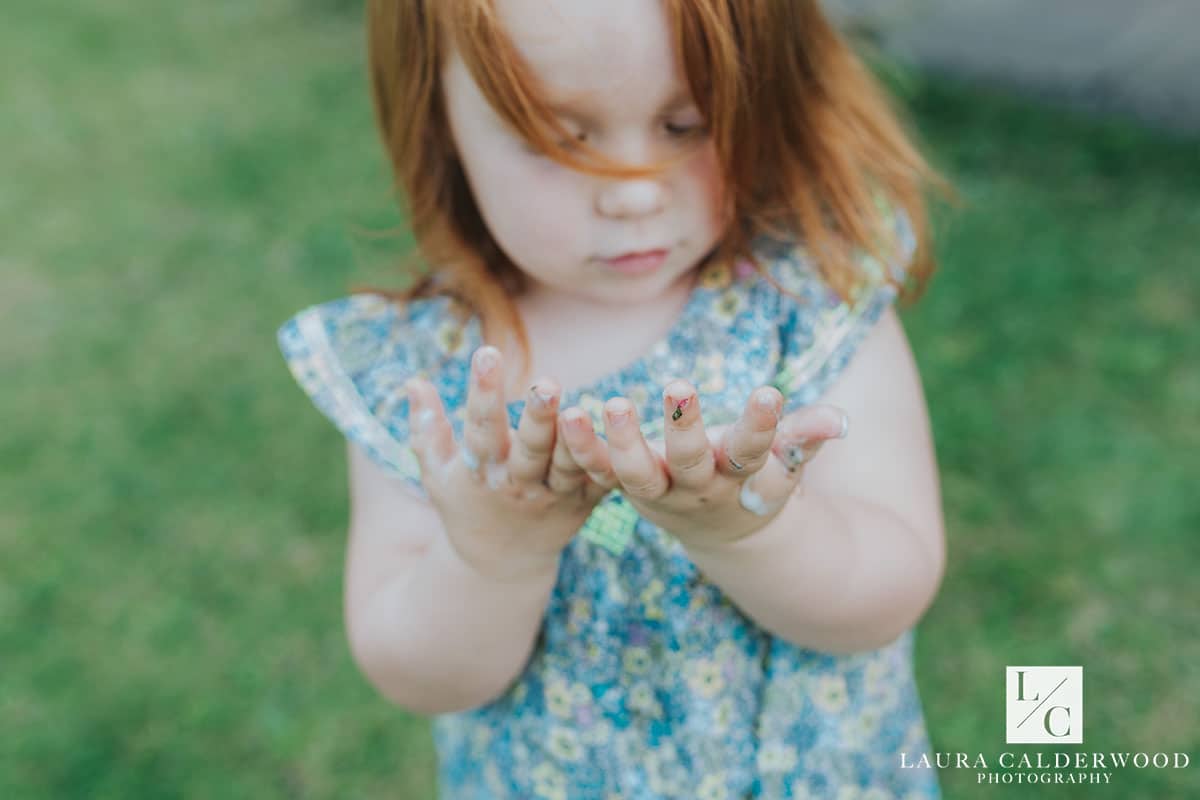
[566, 144]
[673, 130]
[679, 131]
[570, 143]
[683, 130]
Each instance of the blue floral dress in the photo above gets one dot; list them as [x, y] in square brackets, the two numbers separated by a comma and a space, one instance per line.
[646, 682]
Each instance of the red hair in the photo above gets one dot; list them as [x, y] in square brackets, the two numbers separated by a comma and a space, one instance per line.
[809, 144]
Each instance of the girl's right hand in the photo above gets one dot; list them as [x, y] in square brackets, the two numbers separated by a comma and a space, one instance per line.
[510, 501]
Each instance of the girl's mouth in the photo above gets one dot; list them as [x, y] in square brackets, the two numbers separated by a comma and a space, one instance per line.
[638, 263]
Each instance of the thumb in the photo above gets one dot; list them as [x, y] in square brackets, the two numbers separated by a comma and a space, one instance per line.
[801, 433]
[429, 431]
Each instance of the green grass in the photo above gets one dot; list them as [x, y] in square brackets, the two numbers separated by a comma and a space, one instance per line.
[172, 518]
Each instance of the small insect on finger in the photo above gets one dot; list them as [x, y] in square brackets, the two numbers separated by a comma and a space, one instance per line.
[796, 453]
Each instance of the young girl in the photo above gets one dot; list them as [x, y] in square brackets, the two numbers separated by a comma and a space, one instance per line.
[634, 576]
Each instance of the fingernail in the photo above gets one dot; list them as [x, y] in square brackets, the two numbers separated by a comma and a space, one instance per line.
[485, 360]
[540, 396]
[619, 417]
[845, 426]
[768, 402]
[425, 418]
[575, 420]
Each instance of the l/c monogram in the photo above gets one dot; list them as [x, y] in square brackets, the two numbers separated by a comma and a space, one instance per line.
[1049, 712]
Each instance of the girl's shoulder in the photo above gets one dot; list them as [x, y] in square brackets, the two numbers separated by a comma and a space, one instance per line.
[820, 330]
[794, 267]
[352, 355]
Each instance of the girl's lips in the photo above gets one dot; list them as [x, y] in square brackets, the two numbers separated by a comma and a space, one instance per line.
[638, 263]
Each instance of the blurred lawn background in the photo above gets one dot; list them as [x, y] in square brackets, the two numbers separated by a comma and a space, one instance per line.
[179, 179]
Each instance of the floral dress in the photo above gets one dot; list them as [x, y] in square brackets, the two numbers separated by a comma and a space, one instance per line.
[646, 682]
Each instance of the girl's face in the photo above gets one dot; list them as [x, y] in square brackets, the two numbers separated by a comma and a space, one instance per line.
[611, 67]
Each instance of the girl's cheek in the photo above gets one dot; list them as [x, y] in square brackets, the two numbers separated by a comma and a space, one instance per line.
[539, 211]
[555, 191]
[704, 175]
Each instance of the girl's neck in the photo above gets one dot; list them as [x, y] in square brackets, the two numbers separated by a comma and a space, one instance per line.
[577, 341]
[541, 302]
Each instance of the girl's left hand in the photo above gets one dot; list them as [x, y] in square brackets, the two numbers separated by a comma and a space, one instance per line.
[707, 488]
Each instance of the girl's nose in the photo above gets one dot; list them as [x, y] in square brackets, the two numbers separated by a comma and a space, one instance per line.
[633, 197]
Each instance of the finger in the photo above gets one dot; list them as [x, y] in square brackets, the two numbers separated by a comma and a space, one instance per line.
[485, 427]
[800, 438]
[429, 431]
[746, 445]
[689, 452]
[802, 434]
[565, 475]
[533, 442]
[586, 448]
[637, 467]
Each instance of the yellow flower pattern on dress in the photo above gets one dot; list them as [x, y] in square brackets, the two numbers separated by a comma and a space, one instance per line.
[599, 735]
[642, 700]
[713, 787]
[558, 698]
[723, 715]
[636, 660]
[450, 338]
[645, 681]
[564, 744]
[706, 679]
[649, 598]
[581, 611]
[799, 790]
[715, 276]
[776, 756]
[858, 730]
[729, 305]
[858, 793]
[829, 693]
[549, 782]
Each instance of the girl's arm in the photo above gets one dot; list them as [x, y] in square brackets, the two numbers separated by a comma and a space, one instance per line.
[856, 556]
[429, 632]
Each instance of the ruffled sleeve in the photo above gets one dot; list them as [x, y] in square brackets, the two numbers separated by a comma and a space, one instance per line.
[351, 356]
[821, 332]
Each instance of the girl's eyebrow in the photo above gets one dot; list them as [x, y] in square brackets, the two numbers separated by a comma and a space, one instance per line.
[680, 99]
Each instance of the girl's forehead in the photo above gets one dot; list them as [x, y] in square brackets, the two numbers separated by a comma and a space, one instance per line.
[596, 56]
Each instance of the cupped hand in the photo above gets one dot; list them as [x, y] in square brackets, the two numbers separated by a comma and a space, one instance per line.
[510, 501]
[707, 487]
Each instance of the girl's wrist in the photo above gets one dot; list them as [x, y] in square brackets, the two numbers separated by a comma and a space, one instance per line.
[525, 571]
